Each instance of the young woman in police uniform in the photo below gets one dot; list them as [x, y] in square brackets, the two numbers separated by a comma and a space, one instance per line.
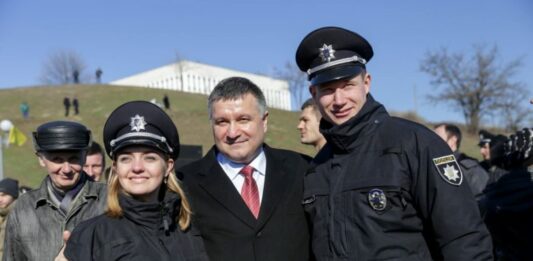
[148, 215]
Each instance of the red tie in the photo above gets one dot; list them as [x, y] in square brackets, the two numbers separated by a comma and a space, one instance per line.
[249, 191]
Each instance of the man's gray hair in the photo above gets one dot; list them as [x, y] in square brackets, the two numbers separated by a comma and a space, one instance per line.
[234, 88]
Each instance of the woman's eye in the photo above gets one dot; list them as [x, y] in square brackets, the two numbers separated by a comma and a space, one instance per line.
[123, 159]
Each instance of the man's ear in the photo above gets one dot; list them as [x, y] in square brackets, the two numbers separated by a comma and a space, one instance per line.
[41, 160]
[265, 121]
[367, 82]
[312, 90]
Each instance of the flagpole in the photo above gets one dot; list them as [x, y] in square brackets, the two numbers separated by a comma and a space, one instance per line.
[5, 125]
[1, 156]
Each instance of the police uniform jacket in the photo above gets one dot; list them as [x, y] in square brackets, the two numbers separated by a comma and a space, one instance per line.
[475, 174]
[35, 225]
[509, 214]
[147, 231]
[375, 192]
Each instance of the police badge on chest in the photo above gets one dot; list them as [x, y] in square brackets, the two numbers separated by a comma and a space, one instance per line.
[377, 199]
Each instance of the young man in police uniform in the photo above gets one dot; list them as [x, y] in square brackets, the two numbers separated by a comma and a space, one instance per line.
[66, 197]
[382, 188]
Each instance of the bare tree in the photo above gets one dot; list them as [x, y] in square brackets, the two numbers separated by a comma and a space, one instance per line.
[476, 86]
[297, 79]
[63, 67]
[514, 116]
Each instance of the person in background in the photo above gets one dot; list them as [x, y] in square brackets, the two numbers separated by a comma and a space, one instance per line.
[491, 147]
[474, 173]
[508, 202]
[66, 104]
[148, 214]
[8, 194]
[98, 75]
[25, 110]
[309, 125]
[166, 102]
[66, 197]
[76, 105]
[382, 188]
[95, 162]
[246, 196]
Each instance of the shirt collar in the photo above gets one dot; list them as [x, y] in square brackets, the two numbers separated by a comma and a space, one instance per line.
[232, 168]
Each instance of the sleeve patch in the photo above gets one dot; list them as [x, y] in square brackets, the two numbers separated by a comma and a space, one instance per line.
[449, 169]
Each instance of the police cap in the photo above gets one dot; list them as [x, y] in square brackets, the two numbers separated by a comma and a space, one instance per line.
[333, 53]
[61, 135]
[485, 137]
[141, 123]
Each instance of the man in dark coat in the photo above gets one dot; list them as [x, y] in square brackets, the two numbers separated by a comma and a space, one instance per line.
[246, 196]
[491, 147]
[66, 103]
[382, 188]
[474, 173]
[76, 106]
[166, 102]
[508, 203]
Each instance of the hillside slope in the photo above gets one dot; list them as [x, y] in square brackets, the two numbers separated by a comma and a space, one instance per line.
[189, 112]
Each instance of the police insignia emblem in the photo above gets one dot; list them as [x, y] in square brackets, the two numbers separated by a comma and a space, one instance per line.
[377, 199]
[449, 169]
[327, 53]
[137, 123]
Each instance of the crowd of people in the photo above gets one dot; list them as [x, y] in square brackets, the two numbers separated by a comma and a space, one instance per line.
[378, 188]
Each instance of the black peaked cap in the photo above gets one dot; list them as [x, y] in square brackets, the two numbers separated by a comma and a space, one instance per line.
[141, 123]
[324, 54]
[61, 135]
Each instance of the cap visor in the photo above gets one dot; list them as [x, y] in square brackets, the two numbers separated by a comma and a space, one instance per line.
[336, 73]
[140, 142]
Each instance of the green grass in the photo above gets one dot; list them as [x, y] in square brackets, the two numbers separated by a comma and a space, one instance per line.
[189, 112]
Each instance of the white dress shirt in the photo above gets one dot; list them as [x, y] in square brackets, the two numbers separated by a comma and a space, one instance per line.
[232, 169]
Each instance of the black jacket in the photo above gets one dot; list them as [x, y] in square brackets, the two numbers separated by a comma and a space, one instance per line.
[475, 174]
[147, 231]
[229, 230]
[509, 214]
[386, 188]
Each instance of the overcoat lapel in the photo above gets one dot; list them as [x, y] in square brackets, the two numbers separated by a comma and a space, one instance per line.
[216, 183]
[277, 181]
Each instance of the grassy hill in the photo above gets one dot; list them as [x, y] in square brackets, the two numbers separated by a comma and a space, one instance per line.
[189, 112]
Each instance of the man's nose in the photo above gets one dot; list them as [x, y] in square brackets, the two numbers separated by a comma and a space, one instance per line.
[66, 168]
[233, 130]
[338, 97]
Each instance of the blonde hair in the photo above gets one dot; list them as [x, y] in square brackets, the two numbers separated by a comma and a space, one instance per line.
[115, 210]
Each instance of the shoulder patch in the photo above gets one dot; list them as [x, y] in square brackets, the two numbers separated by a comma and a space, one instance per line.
[449, 169]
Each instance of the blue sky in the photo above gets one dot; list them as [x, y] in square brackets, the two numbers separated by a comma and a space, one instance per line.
[127, 37]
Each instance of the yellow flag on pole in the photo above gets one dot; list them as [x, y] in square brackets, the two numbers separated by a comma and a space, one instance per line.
[16, 136]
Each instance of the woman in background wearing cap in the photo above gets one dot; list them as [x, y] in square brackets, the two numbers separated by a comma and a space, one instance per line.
[9, 192]
[147, 216]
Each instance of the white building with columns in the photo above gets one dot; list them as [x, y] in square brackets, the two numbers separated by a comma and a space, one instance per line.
[193, 77]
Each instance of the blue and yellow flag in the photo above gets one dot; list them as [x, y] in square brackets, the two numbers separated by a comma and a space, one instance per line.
[16, 137]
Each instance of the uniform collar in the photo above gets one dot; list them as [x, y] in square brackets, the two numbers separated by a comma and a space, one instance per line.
[344, 138]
